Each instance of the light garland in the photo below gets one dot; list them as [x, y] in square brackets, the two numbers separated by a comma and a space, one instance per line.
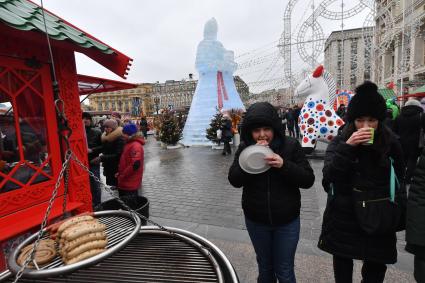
[268, 72]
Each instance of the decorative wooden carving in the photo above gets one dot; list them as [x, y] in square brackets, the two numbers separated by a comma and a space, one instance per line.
[15, 53]
[66, 73]
[18, 84]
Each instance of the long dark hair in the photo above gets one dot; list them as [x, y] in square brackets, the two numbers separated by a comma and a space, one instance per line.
[382, 139]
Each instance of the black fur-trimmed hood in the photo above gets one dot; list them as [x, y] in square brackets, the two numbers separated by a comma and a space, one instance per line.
[261, 114]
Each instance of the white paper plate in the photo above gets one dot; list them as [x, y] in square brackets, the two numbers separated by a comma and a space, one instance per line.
[252, 160]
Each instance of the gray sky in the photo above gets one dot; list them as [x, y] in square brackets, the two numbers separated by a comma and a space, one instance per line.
[161, 35]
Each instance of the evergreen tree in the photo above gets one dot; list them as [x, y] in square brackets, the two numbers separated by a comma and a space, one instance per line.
[215, 124]
[181, 119]
[170, 132]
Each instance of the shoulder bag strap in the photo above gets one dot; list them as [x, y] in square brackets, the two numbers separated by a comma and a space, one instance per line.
[393, 181]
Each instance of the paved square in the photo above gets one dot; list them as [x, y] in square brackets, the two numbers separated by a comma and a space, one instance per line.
[188, 188]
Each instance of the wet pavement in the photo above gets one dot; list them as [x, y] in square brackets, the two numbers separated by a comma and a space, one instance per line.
[188, 189]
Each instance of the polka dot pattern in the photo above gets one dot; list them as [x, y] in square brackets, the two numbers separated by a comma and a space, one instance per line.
[318, 121]
[319, 107]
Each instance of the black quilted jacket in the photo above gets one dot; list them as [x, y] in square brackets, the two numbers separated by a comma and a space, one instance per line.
[415, 226]
[272, 197]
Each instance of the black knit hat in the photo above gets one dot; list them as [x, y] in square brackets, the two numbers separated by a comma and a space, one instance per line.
[366, 102]
[87, 115]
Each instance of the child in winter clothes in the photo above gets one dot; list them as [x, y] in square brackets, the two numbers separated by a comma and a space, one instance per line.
[271, 200]
[130, 168]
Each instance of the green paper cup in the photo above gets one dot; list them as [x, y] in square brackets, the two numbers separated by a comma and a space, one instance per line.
[372, 132]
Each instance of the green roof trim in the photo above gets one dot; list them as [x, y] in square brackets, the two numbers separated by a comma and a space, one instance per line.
[387, 93]
[25, 15]
[418, 90]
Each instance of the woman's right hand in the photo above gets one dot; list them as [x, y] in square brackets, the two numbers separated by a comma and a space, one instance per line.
[360, 136]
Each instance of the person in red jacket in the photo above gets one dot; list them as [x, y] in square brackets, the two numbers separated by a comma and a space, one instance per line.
[130, 168]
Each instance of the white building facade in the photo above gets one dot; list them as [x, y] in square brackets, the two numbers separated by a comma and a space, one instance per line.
[400, 59]
[347, 57]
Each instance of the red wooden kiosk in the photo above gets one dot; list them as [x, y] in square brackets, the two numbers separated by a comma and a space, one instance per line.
[412, 95]
[31, 153]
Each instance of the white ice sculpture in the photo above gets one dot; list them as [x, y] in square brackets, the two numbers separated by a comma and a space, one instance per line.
[215, 88]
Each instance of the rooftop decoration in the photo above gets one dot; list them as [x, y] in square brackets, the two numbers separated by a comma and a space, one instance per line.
[27, 16]
[89, 85]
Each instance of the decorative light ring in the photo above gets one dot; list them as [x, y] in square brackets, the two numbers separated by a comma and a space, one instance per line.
[324, 12]
[285, 41]
[331, 15]
[317, 45]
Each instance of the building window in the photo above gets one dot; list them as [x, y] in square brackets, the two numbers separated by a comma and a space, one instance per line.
[423, 45]
[392, 63]
[353, 82]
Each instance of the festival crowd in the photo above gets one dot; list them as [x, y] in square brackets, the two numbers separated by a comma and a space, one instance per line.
[373, 174]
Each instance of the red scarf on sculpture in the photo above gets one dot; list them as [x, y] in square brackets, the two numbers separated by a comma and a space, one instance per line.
[221, 90]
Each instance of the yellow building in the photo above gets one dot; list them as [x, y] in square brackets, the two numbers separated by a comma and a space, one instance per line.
[135, 102]
[149, 98]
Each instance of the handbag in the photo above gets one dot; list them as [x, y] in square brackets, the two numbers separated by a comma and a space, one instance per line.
[380, 211]
[219, 134]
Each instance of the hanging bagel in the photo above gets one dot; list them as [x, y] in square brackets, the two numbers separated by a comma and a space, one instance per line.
[84, 229]
[98, 244]
[84, 255]
[43, 255]
[80, 238]
[73, 221]
[76, 227]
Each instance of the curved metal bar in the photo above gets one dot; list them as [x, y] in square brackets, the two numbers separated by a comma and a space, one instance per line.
[5, 274]
[204, 243]
[63, 269]
[285, 41]
[331, 15]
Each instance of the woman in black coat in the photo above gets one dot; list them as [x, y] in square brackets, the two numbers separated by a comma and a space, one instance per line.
[415, 225]
[271, 200]
[226, 134]
[112, 147]
[351, 165]
[408, 127]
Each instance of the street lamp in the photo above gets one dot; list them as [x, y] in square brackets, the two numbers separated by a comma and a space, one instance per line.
[156, 101]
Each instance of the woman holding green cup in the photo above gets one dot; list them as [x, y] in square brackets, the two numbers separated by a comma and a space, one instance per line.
[359, 159]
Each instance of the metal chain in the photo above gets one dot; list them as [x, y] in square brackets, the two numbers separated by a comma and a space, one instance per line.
[30, 257]
[132, 211]
[65, 192]
[111, 192]
[65, 172]
[64, 132]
